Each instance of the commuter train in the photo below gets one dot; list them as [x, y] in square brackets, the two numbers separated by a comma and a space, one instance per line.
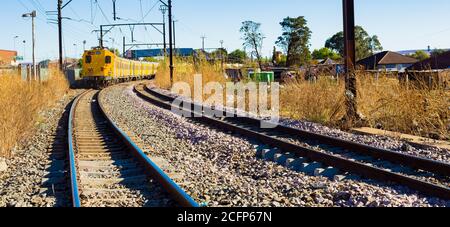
[101, 68]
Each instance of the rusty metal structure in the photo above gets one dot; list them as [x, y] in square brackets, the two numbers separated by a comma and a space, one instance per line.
[350, 60]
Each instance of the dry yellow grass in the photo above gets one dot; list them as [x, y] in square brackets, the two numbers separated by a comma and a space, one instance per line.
[319, 102]
[184, 71]
[421, 112]
[21, 102]
[382, 102]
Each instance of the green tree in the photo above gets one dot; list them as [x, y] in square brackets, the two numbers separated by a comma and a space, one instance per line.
[325, 53]
[237, 56]
[437, 52]
[420, 55]
[366, 45]
[220, 53]
[274, 55]
[295, 40]
[253, 38]
[115, 51]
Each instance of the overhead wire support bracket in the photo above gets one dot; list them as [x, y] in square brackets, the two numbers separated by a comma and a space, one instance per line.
[64, 6]
[111, 26]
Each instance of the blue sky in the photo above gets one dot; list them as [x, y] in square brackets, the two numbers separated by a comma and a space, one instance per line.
[400, 24]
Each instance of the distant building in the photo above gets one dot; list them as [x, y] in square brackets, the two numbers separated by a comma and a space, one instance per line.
[433, 63]
[387, 61]
[410, 52]
[432, 73]
[8, 57]
[157, 53]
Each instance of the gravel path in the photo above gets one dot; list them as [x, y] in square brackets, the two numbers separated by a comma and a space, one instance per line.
[219, 169]
[375, 141]
[25, 183]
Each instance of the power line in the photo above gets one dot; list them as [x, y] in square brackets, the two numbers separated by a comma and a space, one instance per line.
[23, 4]
[101, 10]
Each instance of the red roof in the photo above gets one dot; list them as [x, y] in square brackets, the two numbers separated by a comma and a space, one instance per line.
[386, 58]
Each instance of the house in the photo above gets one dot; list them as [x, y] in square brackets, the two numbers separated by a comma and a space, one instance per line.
[433, 72]
[8, 57]
[439, 62]
[387, 61]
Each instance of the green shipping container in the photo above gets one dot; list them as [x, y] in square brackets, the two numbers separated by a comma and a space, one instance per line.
[267, 77]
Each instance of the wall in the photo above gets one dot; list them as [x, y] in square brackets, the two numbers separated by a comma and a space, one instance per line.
[7, 57]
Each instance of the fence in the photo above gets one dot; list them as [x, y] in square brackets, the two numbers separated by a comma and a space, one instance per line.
[25, 72]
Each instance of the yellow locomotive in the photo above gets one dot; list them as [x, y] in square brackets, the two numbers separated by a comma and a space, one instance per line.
[101, 67]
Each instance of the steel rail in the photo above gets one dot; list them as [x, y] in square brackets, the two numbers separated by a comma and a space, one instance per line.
[76, 201]
[153, 170]
[415, 162]
[359, 168]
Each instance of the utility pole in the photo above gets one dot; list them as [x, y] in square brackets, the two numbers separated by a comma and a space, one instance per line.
[170, 41]
[75, 49]
[24, 49]
[350, 61]
[33, 15]
[123, 48]
[113, 43]
[163, 9]
[114, 10]
[60, 41]
[203, 42]
[174, 39]
[221, 54]
[15, 41]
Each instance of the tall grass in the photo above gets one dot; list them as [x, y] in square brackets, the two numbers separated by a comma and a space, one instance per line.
[320, 101]
[20, 104]
[383, 102]
[388, 104]
[185, 70]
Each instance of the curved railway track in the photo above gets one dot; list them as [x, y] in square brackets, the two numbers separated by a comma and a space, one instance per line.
[108, 169]
[321, 154]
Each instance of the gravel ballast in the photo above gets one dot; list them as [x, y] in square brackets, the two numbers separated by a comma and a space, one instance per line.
[219, 169]
[382, 142]
[23, 183]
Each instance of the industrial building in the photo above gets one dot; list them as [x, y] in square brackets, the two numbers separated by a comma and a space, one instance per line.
[8, 57]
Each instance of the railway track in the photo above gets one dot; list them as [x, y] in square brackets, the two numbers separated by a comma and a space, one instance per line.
[107, 169]
[323, 155]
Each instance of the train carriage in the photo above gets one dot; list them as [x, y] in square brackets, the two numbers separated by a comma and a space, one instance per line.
[101, 67]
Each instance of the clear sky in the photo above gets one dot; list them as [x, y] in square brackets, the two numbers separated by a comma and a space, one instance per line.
[400, 24]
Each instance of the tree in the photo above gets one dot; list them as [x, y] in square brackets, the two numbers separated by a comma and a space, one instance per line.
[420, 55]
[115, 51]
[366, 45]
[437, 52]
[253, 38]
[325, 53]
[274, 55]
[237, 56]
[220, 53]
[295, 40]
